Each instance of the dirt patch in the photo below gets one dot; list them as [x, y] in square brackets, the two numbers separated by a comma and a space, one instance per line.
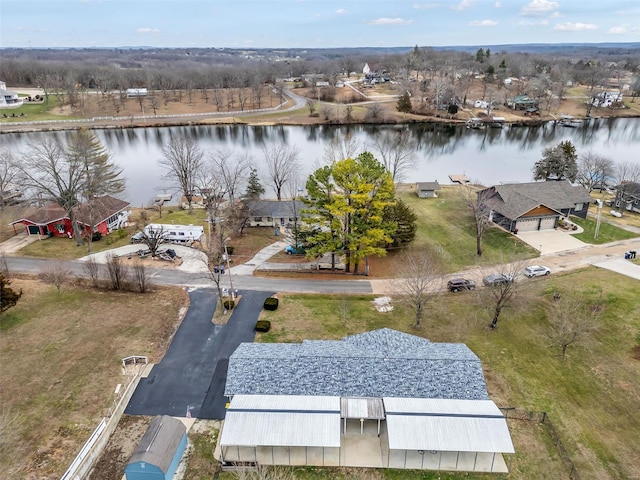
[121, 445]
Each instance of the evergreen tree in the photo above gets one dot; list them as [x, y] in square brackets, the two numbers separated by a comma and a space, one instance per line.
[480, 55]
[557, 163]
[403, 218]
[8, 296]
[254, 187]
[404, 103]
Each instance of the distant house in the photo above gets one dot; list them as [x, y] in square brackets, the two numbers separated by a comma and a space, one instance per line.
[607, 99]
[534, 206]
[271, 213]
[107, 214]
[137, 92]
[427, 189]
[628, 196]
[159, 452]
[382, 399]
[9, 98]
[522, 102]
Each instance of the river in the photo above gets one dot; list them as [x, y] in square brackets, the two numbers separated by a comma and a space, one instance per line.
[489, 156]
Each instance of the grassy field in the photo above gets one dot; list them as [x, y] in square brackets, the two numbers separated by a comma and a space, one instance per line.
[607, 233]
[446, 227]
[592, 395]
[60, 355]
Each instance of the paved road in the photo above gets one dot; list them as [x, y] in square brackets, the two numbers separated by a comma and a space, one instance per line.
[242, 282]
[193, 373]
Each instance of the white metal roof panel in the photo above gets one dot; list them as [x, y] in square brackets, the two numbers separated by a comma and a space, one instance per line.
[354, 407]
[285, 403]
[446, 425]
[439, 405]
[255, 428]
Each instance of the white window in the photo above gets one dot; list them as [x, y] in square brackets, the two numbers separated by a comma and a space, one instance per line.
[579, 206]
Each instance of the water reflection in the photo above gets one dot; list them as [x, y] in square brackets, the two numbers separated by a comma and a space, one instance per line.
[490, 156]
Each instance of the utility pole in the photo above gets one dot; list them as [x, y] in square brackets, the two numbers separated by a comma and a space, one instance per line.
[595, 234]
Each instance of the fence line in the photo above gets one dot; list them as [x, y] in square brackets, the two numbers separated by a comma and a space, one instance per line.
[543, 418]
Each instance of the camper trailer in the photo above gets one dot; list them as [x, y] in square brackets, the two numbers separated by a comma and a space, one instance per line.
[176, 233]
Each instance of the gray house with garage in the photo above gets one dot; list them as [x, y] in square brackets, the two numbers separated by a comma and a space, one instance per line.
[381, 399]
[522, 207]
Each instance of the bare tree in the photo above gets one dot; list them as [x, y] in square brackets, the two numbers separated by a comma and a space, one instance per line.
[594, 170]
[627, 172]
[476, 202]
[232, 169]
[56, 273]
[340, 147]
[282, 165]
[570, 320]
[153, 237]
[118, 274]
[423, 278]
[311, 105]
[397, 152]
[8, 175]
[502, 291]
[141, 276]
[182, 160]
[92, 269]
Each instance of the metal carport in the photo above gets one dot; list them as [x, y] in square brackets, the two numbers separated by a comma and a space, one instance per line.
[442, 434]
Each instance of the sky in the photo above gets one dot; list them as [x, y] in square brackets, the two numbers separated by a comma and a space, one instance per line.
[314, 23]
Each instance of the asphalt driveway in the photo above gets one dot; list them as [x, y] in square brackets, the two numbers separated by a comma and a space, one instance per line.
[192, 375]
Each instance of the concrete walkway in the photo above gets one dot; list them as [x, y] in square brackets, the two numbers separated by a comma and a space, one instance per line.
[261, 257]
[622, 266]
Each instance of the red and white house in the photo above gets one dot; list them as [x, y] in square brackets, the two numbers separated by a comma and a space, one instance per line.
[108, 214]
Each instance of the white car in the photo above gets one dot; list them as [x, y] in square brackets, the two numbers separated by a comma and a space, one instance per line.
[536, 271]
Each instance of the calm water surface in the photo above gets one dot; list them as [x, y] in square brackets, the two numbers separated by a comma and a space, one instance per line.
[489, 156]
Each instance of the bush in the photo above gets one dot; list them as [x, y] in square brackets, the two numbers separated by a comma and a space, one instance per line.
[271, 303]
[263, 326]
[229, 250]
[229, 304]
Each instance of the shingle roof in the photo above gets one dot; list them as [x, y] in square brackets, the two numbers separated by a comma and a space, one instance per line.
[103, 208]
[274, 208]
[428, 186]
[515, 199]
[381, 363]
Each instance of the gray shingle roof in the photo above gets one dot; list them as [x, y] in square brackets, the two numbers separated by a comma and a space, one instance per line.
[381, 363]
[428, 186]
[515, 199]
[274, 208]
[160, 442]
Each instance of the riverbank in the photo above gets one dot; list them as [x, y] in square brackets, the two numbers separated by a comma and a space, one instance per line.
[296, 112]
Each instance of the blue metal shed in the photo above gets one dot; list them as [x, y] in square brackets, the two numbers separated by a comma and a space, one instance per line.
[159, 452]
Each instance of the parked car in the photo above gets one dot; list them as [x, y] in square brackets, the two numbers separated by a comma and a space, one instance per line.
[457, 284]
[536, 271]
[496, 279]
[291, 250]
[137, 237]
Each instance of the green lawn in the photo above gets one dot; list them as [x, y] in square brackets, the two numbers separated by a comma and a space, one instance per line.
[66, 248]
[591, 395]
[35, 112]
[445, 226]
[608, 232]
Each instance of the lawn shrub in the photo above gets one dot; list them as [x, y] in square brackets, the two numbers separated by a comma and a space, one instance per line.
[229, 304]
[229, 250]
[263, 326]
[271, 303]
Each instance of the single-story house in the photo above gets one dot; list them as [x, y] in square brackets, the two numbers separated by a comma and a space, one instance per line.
[382, 399]
[628, 196]
[427, 189]
[158, 454]
[107, 213]
[271, 213]
[535, 205]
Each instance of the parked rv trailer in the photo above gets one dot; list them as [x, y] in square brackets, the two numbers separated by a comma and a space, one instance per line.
[176, 233]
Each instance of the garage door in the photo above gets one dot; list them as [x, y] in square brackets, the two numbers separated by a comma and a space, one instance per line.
[527, 225]
[548, 223]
